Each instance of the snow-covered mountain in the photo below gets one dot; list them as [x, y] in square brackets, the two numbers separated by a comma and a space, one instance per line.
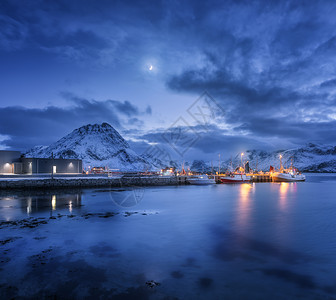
[200, 166]
[97, 145]
[158, 161]
[102, 145]
[311, 158]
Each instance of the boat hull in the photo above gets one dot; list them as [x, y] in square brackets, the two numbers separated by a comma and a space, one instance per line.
[235, 179]
[288, 177]
[200, 180]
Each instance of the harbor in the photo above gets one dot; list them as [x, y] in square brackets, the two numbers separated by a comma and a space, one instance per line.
[64, 242]
[46, 182]
[19, 172]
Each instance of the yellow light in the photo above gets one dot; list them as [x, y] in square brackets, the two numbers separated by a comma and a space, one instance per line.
[242, 154]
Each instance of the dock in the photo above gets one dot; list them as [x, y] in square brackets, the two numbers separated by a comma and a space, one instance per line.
[261, 178]
[16, 182]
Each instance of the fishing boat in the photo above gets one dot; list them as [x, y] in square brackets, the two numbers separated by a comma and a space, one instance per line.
[287, 175]
[202, 179]
[235, 178]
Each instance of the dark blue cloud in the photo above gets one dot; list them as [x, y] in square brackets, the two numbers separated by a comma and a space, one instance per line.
[125, 107]
[329, 83]
[269, 64]
[183, 142]
[28, 127]
[271, 78]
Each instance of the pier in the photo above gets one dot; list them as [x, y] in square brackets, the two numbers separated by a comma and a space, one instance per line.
[89, 182]
[261, 178]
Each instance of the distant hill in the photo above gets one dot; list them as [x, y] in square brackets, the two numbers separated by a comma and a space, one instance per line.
[310, 158]
[96, 145]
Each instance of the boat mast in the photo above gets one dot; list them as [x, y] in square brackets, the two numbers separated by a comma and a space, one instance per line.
[241, 161]
[219, 164]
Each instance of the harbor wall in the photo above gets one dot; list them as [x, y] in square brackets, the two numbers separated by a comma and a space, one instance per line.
[82, 182]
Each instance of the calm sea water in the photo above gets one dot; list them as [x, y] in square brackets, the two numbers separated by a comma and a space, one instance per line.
[247, 241]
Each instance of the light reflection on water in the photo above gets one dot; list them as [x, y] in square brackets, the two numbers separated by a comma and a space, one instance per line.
[283, 195]
[244, 206]
[29, 205]
[36, 204]
[53, 202]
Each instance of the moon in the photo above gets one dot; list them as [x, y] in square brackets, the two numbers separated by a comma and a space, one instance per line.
[150, 68]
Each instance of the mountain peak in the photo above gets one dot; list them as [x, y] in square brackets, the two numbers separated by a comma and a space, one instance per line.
[96, 127]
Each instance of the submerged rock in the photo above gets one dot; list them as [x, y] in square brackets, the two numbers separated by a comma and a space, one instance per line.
[152, 283]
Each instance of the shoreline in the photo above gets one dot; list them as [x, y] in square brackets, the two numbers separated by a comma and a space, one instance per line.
[81, 182]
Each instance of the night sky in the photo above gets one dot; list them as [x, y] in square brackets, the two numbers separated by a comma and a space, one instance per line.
[268, 67]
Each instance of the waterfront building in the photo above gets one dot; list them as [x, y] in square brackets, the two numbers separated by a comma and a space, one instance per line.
[13, 162]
